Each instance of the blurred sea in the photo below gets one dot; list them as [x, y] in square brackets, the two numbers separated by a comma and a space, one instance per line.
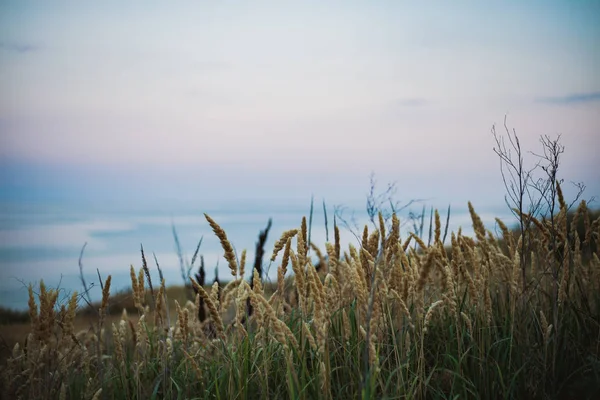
[43, 240]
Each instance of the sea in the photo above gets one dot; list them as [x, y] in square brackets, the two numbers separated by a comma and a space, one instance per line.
[59, 241]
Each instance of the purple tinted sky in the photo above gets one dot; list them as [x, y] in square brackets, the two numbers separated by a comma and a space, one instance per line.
[273, 100]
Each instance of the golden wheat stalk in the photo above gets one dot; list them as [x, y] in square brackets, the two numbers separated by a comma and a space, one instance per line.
[104, 302]
[281, 331]
[212, 309]
[478, 226]
[429, 315]
[282, 242]
[229, 254]
[242, 269]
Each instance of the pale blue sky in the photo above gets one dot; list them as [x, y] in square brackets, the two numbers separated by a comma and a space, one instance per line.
[200, 98]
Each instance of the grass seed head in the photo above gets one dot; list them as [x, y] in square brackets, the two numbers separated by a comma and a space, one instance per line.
[229, 254]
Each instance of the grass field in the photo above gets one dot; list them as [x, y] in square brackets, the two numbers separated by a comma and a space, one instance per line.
[471, 317]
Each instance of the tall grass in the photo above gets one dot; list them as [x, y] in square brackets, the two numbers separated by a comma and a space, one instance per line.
[385, 319]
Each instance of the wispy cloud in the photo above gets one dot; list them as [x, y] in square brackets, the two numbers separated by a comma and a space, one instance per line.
[578, 98]
[20, 48]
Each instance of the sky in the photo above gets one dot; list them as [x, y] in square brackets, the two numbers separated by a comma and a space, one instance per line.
[284, 100]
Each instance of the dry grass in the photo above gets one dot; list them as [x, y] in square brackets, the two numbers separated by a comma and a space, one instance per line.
[380, 321]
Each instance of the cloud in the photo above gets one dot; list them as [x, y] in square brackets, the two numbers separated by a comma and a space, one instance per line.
[19, 48]
[579, 98]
